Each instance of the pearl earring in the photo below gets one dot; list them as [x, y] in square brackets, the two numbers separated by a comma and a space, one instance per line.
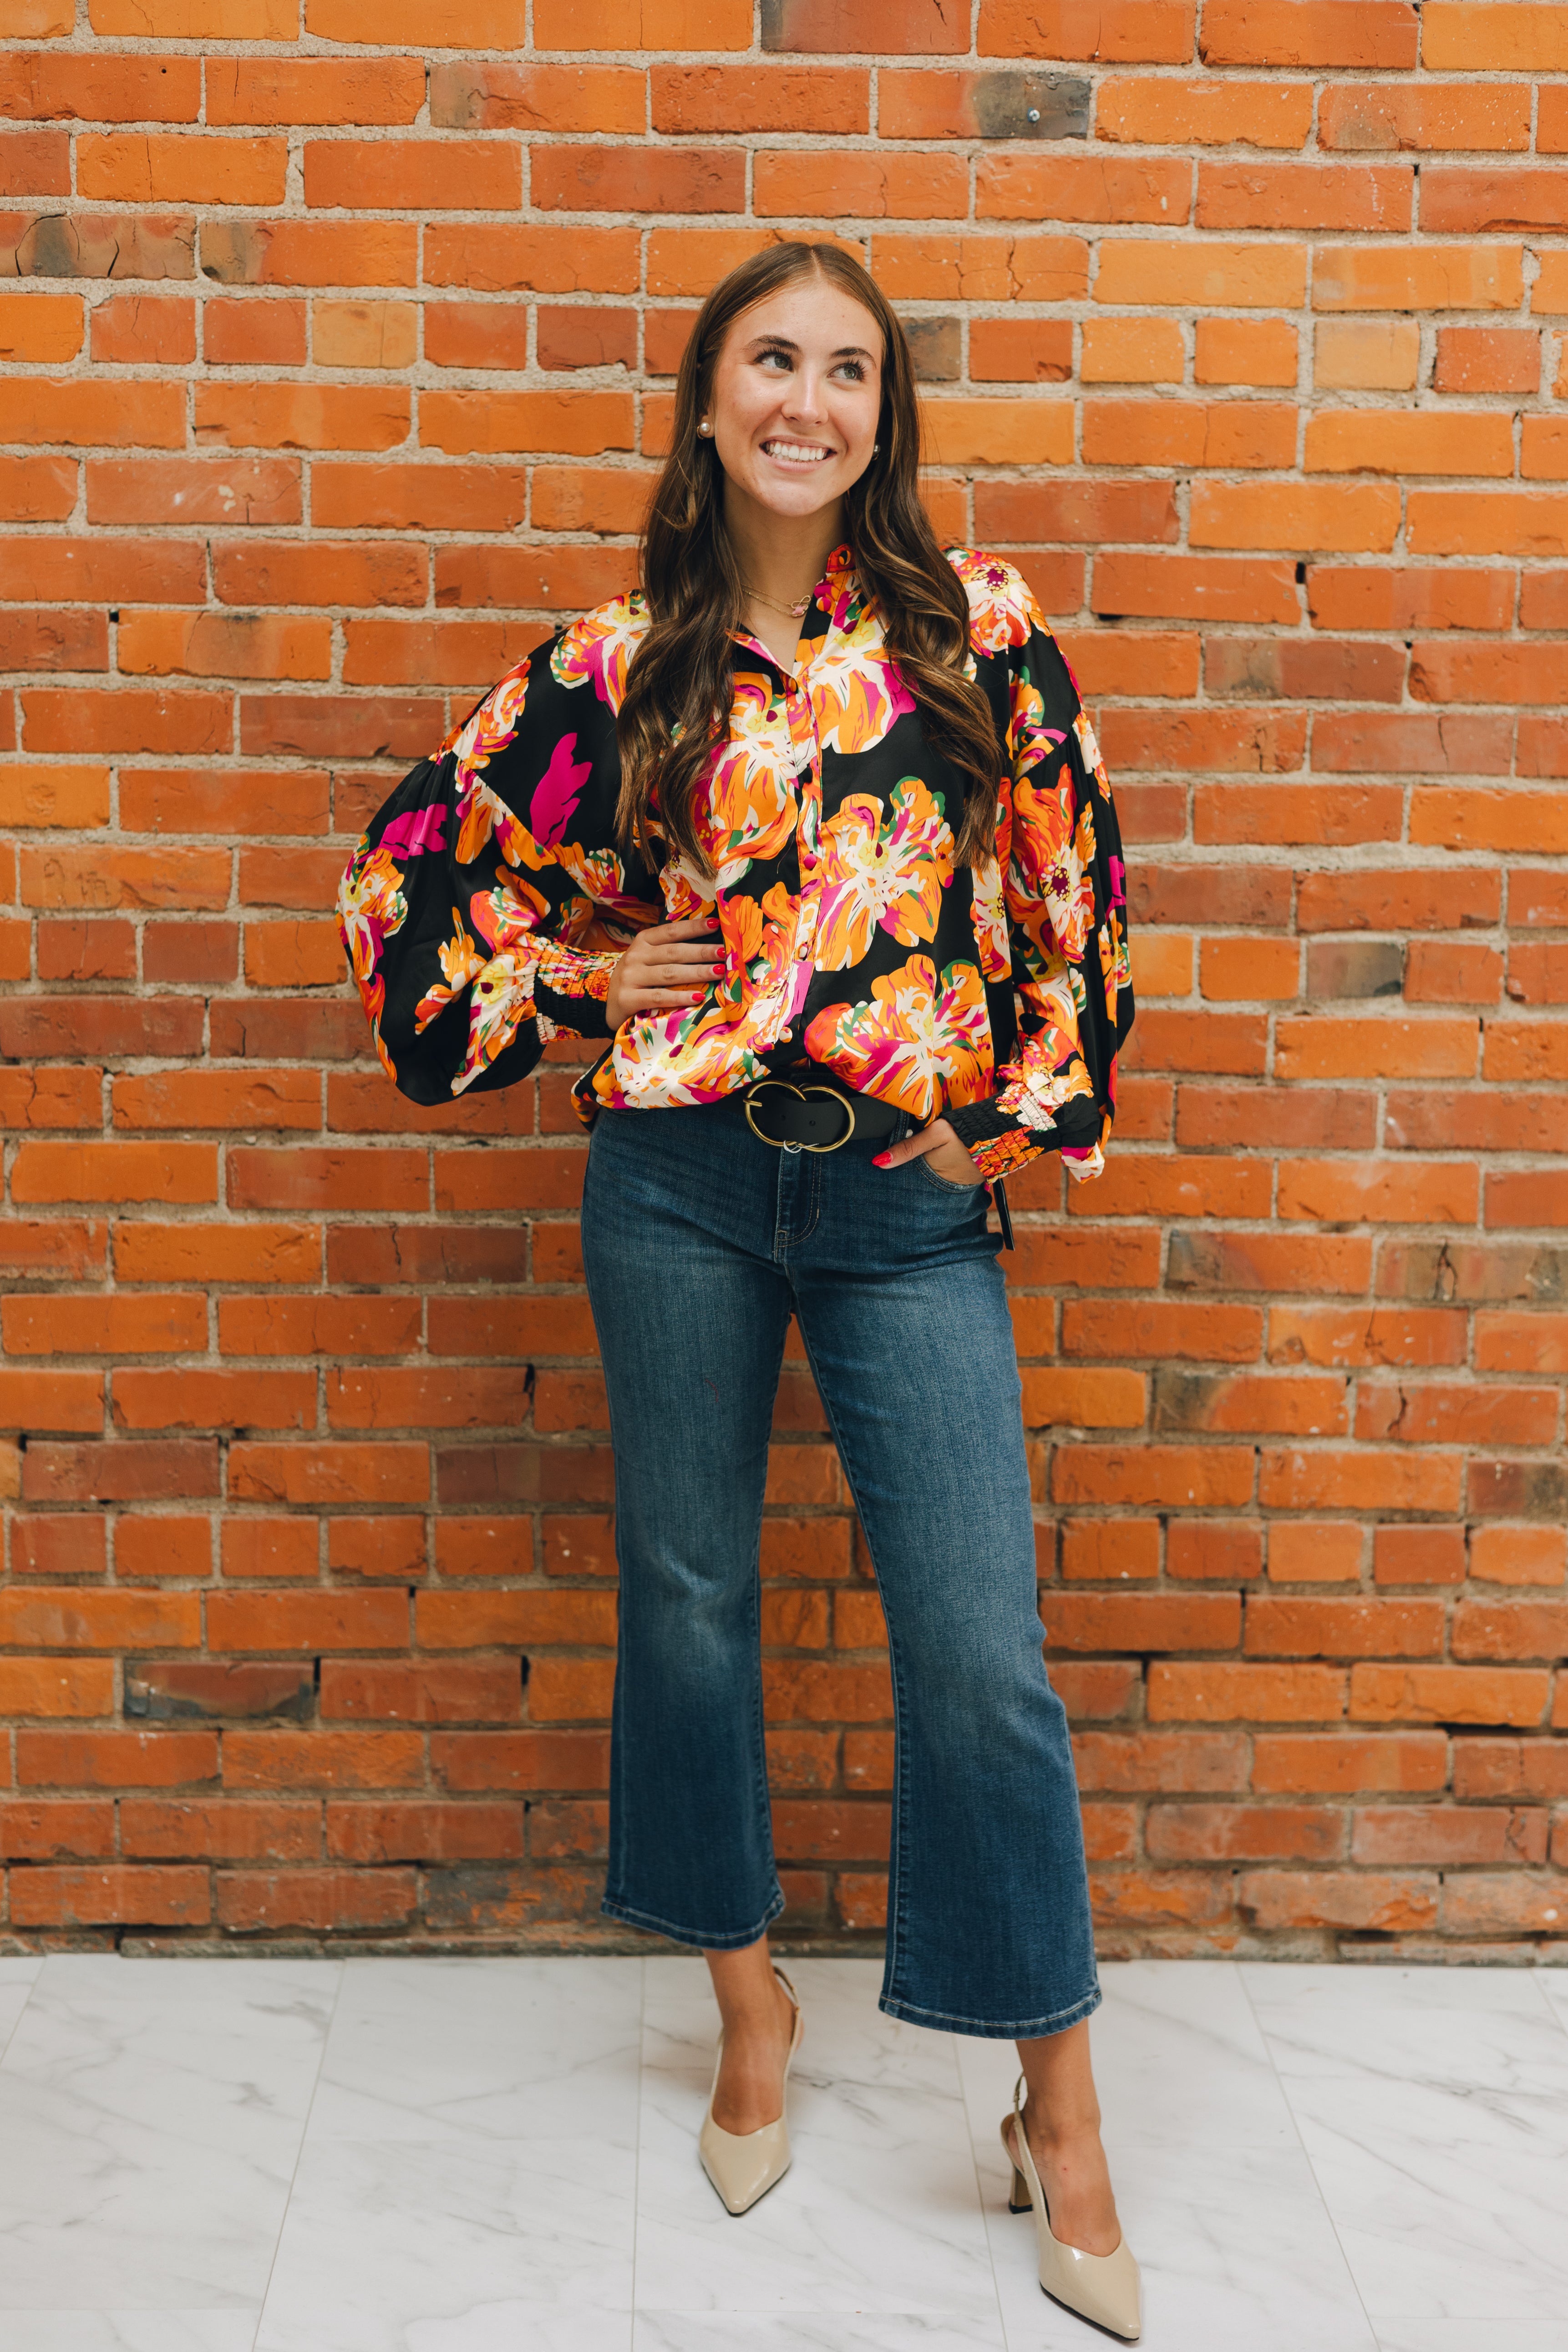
[705, 426]
[876, 448]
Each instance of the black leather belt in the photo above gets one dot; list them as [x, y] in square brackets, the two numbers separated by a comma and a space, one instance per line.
[819, 1115]
[815, 1114]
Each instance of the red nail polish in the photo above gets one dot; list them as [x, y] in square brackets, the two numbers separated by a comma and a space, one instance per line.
[883, 1160]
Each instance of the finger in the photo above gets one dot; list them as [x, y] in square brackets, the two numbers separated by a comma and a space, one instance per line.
[660, 1000]
[690, 926]
[913, 1146]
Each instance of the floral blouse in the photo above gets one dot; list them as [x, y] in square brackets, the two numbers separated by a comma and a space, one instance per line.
[485, 905]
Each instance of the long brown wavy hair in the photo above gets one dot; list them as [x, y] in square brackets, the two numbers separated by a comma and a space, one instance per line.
[679, 686]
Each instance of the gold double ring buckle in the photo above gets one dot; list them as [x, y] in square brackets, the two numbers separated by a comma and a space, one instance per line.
[801, 1094]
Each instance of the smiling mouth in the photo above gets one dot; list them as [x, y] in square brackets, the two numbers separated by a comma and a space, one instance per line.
[796, 453]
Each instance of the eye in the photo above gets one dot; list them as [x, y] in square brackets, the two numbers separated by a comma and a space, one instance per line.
[782, 357]
[855, 370]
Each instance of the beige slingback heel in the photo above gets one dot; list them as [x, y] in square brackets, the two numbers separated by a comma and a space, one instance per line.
[1106, 2289]
[744, 2166]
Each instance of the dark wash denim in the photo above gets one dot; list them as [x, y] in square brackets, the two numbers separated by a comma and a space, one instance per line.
[699, 1240]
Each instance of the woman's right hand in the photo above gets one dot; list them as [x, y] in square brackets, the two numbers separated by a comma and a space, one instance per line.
[670, 964]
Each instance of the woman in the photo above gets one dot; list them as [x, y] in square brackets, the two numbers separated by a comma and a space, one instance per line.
[813, 833]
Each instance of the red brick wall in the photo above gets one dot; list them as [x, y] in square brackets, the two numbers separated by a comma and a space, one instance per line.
[332, 370]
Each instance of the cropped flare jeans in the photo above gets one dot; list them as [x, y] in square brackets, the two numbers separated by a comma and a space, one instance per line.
[699, 1242]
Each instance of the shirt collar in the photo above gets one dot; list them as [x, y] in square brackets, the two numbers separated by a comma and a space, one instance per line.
[836, 585]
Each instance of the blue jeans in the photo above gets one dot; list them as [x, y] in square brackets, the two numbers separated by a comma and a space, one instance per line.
[699, 1241]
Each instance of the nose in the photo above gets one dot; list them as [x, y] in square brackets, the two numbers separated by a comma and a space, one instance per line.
[804, 402]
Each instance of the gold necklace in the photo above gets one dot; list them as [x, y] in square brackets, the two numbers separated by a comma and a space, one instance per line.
[794, 611]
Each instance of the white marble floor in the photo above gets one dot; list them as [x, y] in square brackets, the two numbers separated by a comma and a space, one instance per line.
[498, 2156]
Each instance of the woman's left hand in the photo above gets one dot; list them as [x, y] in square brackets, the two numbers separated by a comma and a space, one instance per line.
[938, 1144]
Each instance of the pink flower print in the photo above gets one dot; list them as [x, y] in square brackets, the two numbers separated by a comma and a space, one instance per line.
[414, 835]
[558, 792]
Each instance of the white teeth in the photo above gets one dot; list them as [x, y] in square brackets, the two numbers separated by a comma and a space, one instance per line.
[797, 452]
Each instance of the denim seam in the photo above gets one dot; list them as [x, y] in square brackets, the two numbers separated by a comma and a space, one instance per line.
[727, 1941]
[999, 2029]
[898, 1891]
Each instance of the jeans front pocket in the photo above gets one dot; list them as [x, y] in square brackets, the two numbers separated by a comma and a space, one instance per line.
[945, 1183]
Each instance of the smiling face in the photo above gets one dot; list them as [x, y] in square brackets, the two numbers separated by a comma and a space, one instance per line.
[797, 391]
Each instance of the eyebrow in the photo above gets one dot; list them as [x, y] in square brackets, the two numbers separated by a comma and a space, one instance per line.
[845, 350]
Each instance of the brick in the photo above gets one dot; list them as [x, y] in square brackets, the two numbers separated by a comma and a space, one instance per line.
[1142, 1621]
[363, 174]
[1369, 116]
[1019, 186]
[1315, 1551]
[1304, 195]
[1350, 1899]
[1192, 277]
[1521, 1629]
[600, 177]
[180, 168]
[1424, 1693]
[1367, 596]
[309, 253]
[115, 1171]
[1521, 1769]
[1488, 524]
[108, 88]
[45, 1832]
[1487, 358]
[95, 245]
[1375, 900]
[1380, 34]
[41, 328]
[127, 1893]
[288, 90]
[56, 1688]
[1244, 1833]
[1220, 1692]
[255, 490]
[1244, 350]
[1278, 1628]
[853, 28]
[1503, 1555]
[1155, 586]
[1456, 199]
[1349, 1763]
[1317, 516]
[1368, 1480]
[1401, 442]
[74, 797]
[1123, 32]
[1365, 354]
[1153, 112]
[1417, 277]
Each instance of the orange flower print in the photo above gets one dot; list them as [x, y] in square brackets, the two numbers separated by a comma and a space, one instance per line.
[882, 864]
[746, 804]
[1089, 744]
[461, 962]
[507, 915]
[600, 646]
[1030, 740]
[1048, 878]
[696, 1056]
[1000, 609]
[856, 691]
[371, 910]
[991, 937]
[918, 1044]
[492, 727]
[502, 1002]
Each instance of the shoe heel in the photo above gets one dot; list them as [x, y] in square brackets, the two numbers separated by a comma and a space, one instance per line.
[1019, 2198]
